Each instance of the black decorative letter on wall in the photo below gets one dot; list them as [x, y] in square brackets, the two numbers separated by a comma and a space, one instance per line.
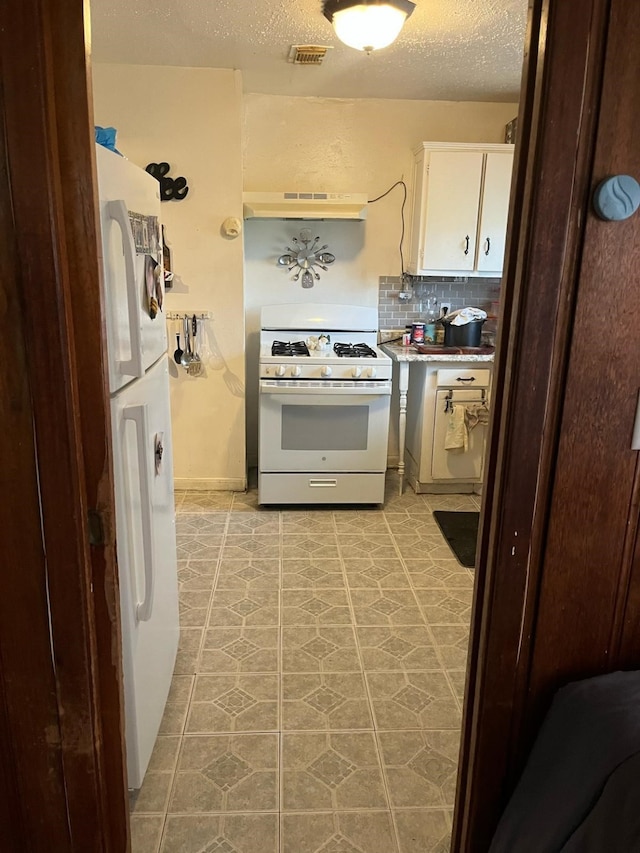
[171, 189]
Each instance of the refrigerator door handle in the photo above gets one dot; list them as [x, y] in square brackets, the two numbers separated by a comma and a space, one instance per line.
[138, 414]
[134, 366]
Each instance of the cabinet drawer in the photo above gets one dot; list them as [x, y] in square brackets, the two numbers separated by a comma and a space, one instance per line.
[463, 377]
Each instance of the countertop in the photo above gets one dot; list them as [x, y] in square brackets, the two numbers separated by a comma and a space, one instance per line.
[402, 354]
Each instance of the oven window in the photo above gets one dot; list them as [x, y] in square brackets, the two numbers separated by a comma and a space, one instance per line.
[325, 427]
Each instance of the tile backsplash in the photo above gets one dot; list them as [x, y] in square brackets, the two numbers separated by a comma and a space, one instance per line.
[453, 292]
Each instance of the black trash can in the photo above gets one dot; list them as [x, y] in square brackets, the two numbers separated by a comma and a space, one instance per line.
[469, 335]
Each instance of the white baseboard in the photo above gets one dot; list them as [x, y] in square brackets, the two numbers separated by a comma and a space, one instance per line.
[213, 484]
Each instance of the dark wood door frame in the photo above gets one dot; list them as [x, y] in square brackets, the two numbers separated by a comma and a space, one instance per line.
[557, 595]
[62, 774]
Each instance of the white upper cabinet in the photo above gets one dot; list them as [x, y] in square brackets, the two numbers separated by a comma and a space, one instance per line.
[460, 209]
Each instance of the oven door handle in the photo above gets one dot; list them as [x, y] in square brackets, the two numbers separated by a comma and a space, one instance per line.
[360, 391]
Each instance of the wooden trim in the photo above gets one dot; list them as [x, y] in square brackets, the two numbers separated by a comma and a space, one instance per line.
[57, 327]
[558, 114]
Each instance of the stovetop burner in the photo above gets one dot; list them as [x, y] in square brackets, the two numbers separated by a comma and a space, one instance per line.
[354, 351]
[289, 348]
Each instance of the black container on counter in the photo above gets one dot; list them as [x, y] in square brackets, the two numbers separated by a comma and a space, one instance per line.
[469, 335]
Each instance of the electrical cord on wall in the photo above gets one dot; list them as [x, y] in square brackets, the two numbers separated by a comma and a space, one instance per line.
[400, 183]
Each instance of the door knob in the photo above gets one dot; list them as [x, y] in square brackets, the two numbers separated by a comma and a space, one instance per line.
[616, 198]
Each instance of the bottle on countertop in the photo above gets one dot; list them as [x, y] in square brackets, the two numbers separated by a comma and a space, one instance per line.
[430, 320]
[440, 327]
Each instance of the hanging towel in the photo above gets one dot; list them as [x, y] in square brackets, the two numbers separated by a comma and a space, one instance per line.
[476, 413]
[456, 437]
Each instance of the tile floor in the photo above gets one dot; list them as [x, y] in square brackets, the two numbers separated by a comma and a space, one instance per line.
[316, 701]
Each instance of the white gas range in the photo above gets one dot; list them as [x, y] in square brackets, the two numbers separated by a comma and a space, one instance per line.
[325, 392]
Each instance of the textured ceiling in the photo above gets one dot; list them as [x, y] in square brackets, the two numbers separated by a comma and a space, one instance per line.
[448, 49]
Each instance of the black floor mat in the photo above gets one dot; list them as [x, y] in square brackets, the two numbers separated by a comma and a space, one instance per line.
[460, 529]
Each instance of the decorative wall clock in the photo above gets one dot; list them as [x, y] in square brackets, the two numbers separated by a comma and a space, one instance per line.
[305, 256]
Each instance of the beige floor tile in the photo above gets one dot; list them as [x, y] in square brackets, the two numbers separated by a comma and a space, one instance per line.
[338, 832]
[458, 679]
[372, 573]
[227, 773]
[306, 649]
[145, 833]
[315, 607]
[199, 546]
[307, 523]
[194, 607]
[201, 523]
[427, 573]
[379, 546]
[366, 521]
[452, 642]
[404, 524]
[188, 651]
[309, 573]
[206, 502]
[238, 546]
[325, 701]
[424, 831]
[254, 524]
[398, 648]
[249, 574]
[153, 796]
[317, 546]
[420, 767]
[164, 755]
[247, 833]
[234, 703]
[248, 502]
[175, 712]
[413, 700]
[335, 771]
[240, 650]
[415, 547]
[449, 606]
[390, 607]
[197, 575]
[232, 607]
[407, 502]
[460, 503]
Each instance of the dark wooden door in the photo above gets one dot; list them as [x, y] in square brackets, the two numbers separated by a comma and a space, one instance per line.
[558, 588]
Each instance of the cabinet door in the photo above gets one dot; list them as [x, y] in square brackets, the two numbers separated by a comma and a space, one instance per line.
[451, 220]
[453, 464]
[494, 211]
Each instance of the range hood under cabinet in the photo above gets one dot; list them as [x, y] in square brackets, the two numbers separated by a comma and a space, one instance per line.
[304, 205]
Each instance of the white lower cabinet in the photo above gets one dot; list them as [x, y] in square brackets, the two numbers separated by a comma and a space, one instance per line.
[433, 391]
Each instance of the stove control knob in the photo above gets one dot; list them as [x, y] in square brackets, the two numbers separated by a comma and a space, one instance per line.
[280, 370]
[372, 372]
[326, 371]
[296, 370]
[356, 372]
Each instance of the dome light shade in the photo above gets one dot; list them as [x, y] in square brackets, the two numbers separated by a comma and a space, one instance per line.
[368, 24]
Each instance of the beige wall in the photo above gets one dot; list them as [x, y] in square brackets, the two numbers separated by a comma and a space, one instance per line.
[191, 118]
[333, 144]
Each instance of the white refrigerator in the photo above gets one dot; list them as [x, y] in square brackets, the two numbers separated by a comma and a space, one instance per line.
[142, 452]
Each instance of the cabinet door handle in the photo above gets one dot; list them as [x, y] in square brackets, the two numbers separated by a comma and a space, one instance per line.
[466, 251]
[488, 249]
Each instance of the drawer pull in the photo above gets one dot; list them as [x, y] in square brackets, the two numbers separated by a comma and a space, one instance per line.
[319, 484]
[467, 379]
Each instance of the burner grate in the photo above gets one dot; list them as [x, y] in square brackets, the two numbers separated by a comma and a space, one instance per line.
[289, 348]
[354, 351]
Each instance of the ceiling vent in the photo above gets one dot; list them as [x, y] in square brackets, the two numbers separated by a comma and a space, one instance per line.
[307, 54]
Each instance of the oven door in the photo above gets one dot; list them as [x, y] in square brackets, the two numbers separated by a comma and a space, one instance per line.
[323, 426]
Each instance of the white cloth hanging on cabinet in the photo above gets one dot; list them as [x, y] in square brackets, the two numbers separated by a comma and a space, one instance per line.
[457, 436]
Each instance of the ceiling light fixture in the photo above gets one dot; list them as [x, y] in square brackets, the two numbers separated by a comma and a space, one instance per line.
[368, 24]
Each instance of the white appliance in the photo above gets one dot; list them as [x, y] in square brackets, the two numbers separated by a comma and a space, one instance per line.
[324, 412]
[304, 205]
[142, 452]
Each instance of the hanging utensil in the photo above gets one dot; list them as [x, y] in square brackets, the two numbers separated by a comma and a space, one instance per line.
[177, 356]
[195, 367]
[307, 279]
[185, 360]
[286, 260]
